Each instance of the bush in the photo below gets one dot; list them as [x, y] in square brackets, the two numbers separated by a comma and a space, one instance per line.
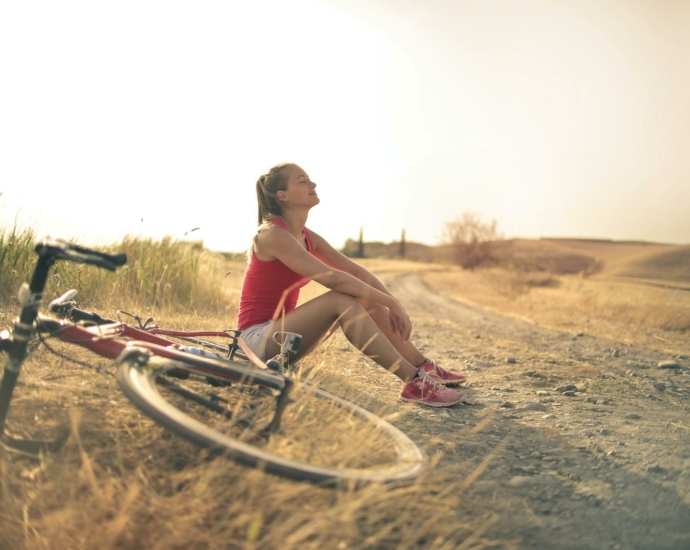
[471, 241]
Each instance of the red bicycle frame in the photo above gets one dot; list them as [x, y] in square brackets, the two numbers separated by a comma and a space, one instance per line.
[112, 339]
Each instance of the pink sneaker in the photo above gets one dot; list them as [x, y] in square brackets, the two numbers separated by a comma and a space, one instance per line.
[444, 376]
[427, 391]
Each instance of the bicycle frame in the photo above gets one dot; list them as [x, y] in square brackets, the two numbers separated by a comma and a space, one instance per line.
[66, 308]
[111, 340]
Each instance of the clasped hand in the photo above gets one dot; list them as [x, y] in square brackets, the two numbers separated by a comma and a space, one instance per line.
[400, 321]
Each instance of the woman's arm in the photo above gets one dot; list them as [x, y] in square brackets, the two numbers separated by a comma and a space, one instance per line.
[280, 244]
[337, 260]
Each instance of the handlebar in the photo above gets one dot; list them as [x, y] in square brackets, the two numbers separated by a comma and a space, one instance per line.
[66, 307]
[61, 249]
[50, 250]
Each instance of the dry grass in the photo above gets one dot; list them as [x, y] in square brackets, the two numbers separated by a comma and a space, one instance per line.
[647, 315]
[302, 436]
[671, 264]
[607, 252]
[123, 482]
[631, 288]
[160, 276]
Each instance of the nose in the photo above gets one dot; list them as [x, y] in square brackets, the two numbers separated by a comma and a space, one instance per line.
[313, 185]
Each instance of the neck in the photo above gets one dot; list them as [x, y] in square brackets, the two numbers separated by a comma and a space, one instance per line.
[295, 220]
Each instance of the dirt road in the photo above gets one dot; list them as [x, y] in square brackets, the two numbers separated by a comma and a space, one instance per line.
[587, 441]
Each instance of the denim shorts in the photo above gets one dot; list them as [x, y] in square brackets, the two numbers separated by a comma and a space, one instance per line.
[256, 337]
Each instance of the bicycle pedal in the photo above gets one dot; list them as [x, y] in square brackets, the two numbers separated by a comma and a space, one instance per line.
[274, 365]
[218, 383]
[217, 399]
[178, 373]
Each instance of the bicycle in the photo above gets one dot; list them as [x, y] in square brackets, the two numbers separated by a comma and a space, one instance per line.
[254, 415]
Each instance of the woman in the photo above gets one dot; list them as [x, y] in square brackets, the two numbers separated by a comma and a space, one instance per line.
[285, 256]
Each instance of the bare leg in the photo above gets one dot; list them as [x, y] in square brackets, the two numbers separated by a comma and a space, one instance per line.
[380, 316]
[316, 319]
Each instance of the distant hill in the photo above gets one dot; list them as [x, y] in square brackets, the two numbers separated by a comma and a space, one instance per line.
[545, 255]
[640, 260]
[671, 264]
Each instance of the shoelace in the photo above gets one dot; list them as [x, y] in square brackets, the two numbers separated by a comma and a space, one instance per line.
[435, 384]
[441, 370]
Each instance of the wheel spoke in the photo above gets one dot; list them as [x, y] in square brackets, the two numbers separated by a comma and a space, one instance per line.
[300, 432]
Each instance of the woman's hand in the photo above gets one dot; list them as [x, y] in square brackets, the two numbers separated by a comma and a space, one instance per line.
[400, 321]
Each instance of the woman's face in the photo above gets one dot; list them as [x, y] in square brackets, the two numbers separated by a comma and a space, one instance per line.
[301, 191]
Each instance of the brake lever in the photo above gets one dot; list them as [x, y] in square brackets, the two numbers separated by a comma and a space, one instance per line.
[63, 302]
[143, 326]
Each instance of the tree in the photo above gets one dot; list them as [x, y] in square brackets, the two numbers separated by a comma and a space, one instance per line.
[470, 239]
[402, 244]
[360, 249]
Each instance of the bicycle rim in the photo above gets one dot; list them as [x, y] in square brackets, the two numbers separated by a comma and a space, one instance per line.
[322, 438]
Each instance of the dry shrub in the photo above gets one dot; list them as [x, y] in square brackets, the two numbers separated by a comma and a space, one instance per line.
[470, 240]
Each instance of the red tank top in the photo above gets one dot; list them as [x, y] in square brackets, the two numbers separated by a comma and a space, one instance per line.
[264, 285]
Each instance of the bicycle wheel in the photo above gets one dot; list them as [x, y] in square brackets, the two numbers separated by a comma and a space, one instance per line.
[322, 438]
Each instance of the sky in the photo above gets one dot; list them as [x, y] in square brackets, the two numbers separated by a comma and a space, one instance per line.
[558, 118]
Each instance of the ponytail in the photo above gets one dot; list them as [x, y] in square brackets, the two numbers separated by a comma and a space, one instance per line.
[261, 198]
[267, 187]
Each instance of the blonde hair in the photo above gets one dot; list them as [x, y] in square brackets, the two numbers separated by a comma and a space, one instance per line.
[267, 187]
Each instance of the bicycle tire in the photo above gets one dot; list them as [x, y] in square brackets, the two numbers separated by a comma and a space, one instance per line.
[142, 383]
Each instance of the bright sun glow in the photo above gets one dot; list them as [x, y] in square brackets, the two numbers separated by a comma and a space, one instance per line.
[153, 118]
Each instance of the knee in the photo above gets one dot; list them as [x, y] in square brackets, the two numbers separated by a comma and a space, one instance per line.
[373, 309]
[342, 302]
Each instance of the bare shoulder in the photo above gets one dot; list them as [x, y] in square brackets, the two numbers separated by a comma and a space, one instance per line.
[269, 239]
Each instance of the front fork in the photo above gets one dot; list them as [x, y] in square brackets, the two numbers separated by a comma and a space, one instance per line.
[16, 344]
[282, 401]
